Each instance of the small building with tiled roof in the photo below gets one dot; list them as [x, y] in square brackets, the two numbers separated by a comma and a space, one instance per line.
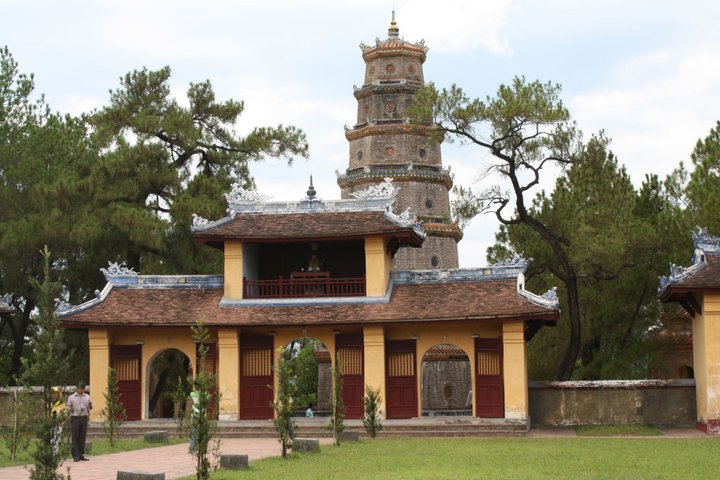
[319, 269]
[697, 289]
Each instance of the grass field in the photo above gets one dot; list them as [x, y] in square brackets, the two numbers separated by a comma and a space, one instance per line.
[505, 458]
[99, 447]
[614, 430]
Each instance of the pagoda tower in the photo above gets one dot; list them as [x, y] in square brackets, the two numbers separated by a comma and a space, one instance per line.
[383, 144]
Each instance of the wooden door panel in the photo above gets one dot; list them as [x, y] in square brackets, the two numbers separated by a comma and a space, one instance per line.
[401, 379]
[350, 350]
[256, 377]
[126, 360]
[489, 396]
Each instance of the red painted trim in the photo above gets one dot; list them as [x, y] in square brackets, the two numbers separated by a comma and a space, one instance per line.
[711, 427]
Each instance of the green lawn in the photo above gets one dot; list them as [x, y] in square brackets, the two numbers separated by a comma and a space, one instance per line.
[614, 430]
[505, 458]
[99, 447]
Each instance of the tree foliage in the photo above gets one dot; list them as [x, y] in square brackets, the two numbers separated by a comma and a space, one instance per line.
[526, 128]
[162, 161]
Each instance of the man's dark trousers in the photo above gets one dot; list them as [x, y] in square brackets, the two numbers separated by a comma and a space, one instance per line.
[78, 426]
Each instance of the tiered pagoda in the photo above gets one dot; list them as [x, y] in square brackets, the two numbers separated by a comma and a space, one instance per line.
[383, 143]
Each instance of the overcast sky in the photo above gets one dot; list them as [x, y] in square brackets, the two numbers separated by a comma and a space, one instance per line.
[647, 72]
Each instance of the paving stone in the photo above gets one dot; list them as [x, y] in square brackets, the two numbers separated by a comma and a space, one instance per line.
[122, 475]
[350, 436]
[305, 445]
[157, 436]
[234, 462]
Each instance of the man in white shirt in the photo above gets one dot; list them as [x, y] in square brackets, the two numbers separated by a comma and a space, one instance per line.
[79, 405]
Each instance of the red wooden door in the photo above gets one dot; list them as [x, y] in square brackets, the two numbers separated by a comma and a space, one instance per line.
[401, 379]
[350, 350]
[489, 396]
[210, 367]
[126, 361]
[256, 377]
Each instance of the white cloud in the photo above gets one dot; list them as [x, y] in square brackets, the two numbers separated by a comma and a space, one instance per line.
[656, 107]
[457, 26]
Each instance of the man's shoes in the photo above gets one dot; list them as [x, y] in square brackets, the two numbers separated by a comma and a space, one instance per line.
[84, 459]
[76, 459]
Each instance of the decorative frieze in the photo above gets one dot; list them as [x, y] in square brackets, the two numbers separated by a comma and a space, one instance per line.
[384, 189]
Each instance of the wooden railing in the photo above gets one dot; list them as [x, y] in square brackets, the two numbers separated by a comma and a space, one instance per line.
[304, 284]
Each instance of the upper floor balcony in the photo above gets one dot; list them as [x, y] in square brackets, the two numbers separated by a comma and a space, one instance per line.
[305, 284]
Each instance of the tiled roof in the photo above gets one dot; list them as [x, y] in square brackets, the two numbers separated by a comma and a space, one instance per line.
[444, 230]
[704, 276]
[311, 225]
[394, 46]
[443, 301]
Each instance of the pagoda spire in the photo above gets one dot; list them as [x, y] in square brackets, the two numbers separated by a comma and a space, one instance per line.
[393, 31]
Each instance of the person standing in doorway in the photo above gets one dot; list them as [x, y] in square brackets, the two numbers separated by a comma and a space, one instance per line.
[79, 405]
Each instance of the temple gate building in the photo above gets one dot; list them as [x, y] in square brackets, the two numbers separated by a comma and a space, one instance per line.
[364, 275]
[697, 289]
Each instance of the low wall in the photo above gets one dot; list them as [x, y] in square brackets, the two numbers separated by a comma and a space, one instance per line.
[33, 405]
[655, 402]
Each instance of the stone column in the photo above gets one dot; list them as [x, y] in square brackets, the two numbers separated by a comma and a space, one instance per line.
[229, 373]
[515, 380]
[374, 358]
[706, 363]
[99, 347]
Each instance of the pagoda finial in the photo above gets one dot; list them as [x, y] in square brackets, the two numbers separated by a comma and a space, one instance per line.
[393, 31]
[311, 190]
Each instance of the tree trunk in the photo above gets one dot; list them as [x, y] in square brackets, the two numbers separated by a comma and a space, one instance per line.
[19, 331]
[573, 349]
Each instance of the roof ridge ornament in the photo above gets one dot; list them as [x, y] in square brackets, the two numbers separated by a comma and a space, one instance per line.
[704, 241]
[384, 189]
[116, 270]
[240, 195]
[517, 260]
[6, 301]
[198, 221]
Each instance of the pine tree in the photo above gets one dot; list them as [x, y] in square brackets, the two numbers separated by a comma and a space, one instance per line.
[114, 412]
[283, 402]
[337, 406]
[204, 448]
[47, 367]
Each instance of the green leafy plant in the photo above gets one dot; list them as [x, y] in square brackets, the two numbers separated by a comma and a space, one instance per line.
[371, 417]
[283, 403]
[17, 419]
[337, 407]
[114, 412]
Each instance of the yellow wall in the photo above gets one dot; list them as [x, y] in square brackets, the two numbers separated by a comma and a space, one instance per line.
[229, 373]
[431, 334]
[233, 270]
[374, 360]
[515, 369]
[377, 266]
[706, 353]
[99, 347]
[155, 340]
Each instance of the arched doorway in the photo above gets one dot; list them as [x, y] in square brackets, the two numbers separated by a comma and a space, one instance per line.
[446, 382]
[311, 375]
[168, 381]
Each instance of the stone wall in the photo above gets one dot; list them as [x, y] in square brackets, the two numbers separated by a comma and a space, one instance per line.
[6, 394]
[656, 402]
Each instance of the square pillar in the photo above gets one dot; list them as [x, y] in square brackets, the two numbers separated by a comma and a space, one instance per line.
[706, 363]
[233, 270]
[374, 361]
[377, 266]
[515, 381]
[99, 348]
[229, 373]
